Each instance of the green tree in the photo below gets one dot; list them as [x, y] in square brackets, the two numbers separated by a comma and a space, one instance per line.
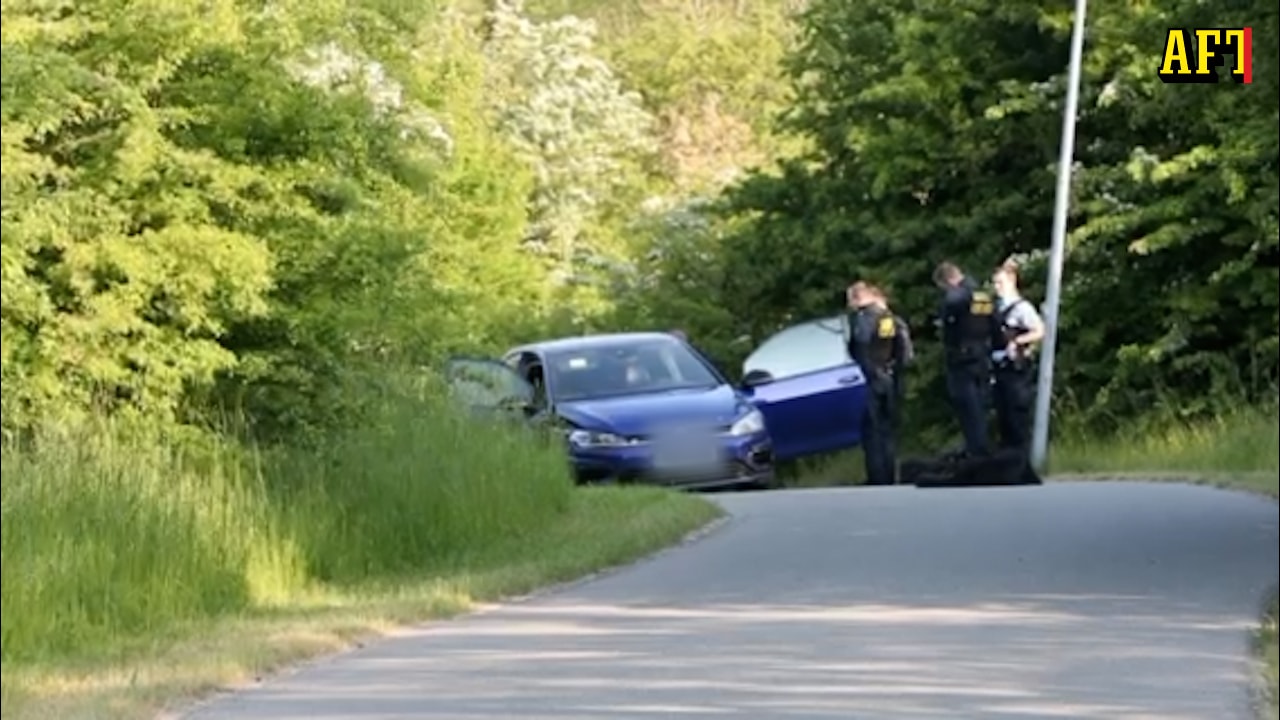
[118, 278]
[285, 199]
[934, 130]
[908, 165]
[583, 133]
[1176, 244]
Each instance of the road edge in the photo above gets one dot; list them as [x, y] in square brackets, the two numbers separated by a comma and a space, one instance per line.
[192, 706]
[692, 537]
[1264, 696]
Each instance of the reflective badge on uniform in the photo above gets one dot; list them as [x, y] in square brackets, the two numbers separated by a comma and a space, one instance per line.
[981, 304]
[885, 328]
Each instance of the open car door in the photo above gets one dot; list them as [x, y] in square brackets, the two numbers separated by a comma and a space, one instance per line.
[811, 393]
[489, 387]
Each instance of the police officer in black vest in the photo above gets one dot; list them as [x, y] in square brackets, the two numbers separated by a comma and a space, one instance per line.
[1017, 330]
[880, 344]
[966, 317]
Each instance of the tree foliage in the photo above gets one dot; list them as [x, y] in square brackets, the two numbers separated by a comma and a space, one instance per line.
[266, 206]
[935, 130]
[259, 206]
[566, 111]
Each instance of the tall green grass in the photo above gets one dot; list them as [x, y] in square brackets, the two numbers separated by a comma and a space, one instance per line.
[1246, 440]
[113, 532]
[110, 531]
[417, 489]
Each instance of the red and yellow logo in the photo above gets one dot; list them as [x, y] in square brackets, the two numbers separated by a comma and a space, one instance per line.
[1180, 64]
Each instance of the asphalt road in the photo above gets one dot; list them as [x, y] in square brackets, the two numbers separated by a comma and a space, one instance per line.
[1076, 600]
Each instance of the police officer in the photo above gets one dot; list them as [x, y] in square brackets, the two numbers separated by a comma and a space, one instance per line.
[1017, 331]
[966, 317]
[904, 350]
[879, 343]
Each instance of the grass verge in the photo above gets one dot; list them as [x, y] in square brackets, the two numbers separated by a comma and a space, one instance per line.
[830, 470]
[1240, 450]
[142, 568]
[1267, 647]
[604, 527]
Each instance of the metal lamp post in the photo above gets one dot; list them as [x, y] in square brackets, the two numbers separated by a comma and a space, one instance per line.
[1057, 250]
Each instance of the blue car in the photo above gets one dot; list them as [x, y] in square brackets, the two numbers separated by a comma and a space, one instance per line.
[649, 408]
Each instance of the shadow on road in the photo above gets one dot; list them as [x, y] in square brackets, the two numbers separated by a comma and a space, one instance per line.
[867, 661]
[1013, 604]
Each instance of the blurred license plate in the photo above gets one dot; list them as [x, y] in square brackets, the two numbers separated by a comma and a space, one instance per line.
[686, 450]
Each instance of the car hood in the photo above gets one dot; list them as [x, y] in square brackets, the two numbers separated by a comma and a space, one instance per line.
[639, 414]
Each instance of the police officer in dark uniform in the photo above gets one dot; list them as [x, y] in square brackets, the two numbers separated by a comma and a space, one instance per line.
[1018, 328]
[966, 317]
[880, 344]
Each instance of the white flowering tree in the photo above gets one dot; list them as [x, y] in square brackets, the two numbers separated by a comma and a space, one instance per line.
[570, 117]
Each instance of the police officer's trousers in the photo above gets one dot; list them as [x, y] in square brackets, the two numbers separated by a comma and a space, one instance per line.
[879, 449]
[967, 387]
[1013, 392]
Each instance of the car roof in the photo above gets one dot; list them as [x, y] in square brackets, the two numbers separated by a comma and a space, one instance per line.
[587, 342]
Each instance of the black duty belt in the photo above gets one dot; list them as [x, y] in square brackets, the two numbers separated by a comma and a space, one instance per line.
[1016, 365]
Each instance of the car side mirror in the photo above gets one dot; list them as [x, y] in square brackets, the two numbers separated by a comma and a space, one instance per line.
[755, 378]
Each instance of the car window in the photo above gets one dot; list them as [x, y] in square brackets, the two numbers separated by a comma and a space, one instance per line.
[625, 368]
[538, 384]
[486, 383]
[803, 348]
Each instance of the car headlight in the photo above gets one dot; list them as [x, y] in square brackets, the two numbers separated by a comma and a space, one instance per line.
[591, 438]
[751, 423]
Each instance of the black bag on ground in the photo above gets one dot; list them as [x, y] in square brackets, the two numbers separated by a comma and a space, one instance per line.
[1003, 467]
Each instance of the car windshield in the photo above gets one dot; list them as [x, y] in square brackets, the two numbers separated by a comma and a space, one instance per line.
[627, 367]
[800, 349]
